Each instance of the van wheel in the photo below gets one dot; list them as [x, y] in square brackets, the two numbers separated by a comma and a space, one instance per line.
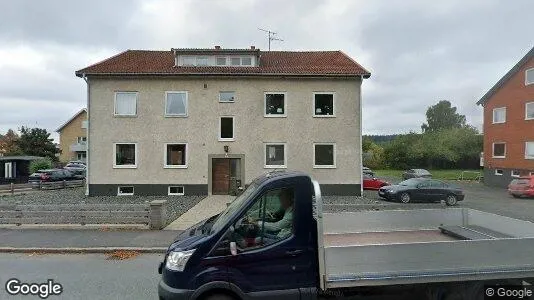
[219, 297]
[451, 200]
[404, 198]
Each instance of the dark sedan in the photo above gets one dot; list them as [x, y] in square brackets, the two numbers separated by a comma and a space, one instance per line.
[422, 190]
[416, 173]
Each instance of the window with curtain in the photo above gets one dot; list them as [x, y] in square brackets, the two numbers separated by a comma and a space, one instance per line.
[275, 156]
[125, 103]
[176, 104]
[529, 150]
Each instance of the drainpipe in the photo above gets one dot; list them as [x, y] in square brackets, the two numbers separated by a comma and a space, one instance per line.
[88, 140]
[361, 141]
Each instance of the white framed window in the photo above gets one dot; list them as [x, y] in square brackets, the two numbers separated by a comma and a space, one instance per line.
[220, 61]
[499, 172]
[324, 155]
[175, 190]
[275, 155]
[499, 115]
[529, 150]
[202, 61]
[235, 61]
[125, 190]
[226, 129]
[175, 156]
[124, 155]
[529, 111]
[82, 139]
[125, 104]
[176, 103]
[246, 61]
[226, 96]
[529, 76]
[499, 150]
[189, 60]
[324, 104]
[516, 173]
[275, 104]
[531, 173]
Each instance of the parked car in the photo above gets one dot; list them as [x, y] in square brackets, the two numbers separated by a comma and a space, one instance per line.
[75, 166]
[366, 170]
[416, 173]
[372, 183]
[50, 175]
[522, 187]
[422, 190]
[80, 162]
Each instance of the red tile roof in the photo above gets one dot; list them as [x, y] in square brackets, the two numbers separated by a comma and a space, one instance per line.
[308, 63]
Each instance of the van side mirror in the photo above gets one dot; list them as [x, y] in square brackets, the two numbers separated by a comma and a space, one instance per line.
[233, 248]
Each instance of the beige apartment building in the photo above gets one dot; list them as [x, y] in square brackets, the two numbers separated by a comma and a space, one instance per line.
[73, 138]
[206, 121]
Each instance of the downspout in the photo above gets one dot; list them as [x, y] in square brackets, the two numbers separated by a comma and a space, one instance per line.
[361, 139]
[88, 139]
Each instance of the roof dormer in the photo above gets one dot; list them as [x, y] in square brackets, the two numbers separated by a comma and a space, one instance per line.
[217, 57]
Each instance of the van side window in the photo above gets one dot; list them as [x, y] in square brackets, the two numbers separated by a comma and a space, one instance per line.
[268, 221]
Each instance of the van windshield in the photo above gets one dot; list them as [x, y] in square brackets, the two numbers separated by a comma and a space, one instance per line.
[233, 207]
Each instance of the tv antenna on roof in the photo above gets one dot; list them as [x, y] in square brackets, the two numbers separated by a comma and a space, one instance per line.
[271, 36]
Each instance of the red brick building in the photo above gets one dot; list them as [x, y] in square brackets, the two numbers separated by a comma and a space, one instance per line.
[509, 124]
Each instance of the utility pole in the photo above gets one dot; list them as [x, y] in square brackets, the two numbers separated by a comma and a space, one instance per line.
[271, 36]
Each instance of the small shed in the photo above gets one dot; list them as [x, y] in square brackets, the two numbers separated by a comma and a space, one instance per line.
[15, 169]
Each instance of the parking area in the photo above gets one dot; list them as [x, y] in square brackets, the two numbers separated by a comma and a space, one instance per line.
[481, 197]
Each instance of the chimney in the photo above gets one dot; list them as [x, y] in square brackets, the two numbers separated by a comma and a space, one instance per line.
[217, 47]
[252, 47]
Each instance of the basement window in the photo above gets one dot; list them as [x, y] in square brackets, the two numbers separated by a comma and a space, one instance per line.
[516, 173]
[275, 104]
[125, 191]
[499, 150]
[499, 172]
[226, 129]
[175, 156]
[176, 191]
[323, 105]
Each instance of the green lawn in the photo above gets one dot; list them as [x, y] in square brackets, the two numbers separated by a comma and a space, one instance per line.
[437, 174]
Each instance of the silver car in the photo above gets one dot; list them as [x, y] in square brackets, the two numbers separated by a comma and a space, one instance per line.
[416, 173]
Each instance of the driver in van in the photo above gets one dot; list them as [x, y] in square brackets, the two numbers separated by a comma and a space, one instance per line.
[275, 231]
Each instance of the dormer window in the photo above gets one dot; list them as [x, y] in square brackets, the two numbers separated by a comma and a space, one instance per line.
[246, 61]
[189, 60]
[202, 61]
[221, 61]
[236, 61]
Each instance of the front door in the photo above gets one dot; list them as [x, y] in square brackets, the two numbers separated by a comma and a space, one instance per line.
[220, 176]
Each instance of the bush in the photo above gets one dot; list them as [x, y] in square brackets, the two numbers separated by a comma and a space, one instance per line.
[40, 164]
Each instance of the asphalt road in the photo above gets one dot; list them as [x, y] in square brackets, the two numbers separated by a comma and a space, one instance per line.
[92, 276]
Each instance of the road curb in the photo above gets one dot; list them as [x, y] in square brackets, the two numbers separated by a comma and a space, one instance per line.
[81, 250]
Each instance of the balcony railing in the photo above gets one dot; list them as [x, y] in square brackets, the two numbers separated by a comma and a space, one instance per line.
[78, 147]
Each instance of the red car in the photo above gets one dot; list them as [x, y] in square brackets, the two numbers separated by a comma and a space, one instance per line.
[523, 186]
[373, 183]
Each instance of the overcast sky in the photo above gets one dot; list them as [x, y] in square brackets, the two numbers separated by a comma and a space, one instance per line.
[418, 52]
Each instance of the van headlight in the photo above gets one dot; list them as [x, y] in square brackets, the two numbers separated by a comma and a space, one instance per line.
[176, 260]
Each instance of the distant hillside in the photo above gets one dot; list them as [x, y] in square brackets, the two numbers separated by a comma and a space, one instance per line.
[381, 139]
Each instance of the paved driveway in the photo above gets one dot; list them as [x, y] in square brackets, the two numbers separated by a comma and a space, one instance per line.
[485, 198]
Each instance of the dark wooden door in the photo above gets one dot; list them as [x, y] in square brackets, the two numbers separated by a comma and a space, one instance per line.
[220, 176]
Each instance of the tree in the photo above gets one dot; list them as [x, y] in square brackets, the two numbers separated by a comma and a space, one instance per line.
[442, 116]
[40, 164]
[37, 141]
[9, 143]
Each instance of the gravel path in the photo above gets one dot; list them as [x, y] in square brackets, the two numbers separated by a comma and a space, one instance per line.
[176, 205]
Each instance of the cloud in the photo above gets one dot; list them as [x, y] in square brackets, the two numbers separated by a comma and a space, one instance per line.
[419, 52]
